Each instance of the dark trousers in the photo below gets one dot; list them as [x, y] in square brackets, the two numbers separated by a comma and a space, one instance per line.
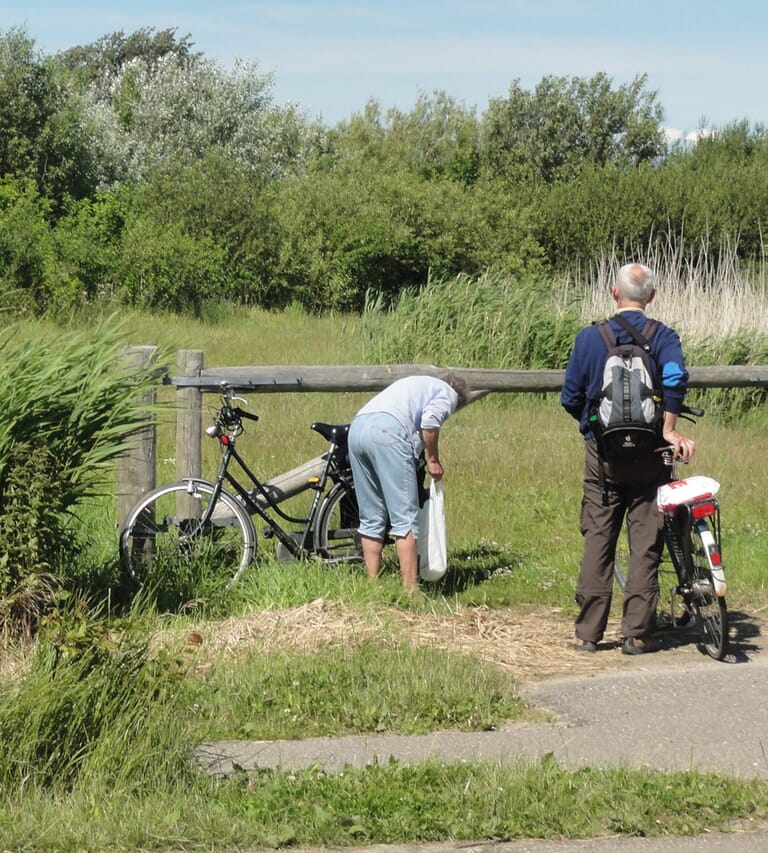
[627, 491]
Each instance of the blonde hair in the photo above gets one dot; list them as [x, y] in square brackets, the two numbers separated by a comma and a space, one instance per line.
[635, 282]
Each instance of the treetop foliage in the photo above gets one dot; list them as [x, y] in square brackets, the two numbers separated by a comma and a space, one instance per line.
[109, 55]
[566, 124]
[135, 170]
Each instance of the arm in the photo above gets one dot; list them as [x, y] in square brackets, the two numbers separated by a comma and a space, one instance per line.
[582, 364]
[684, 447]
[674, 380]
[434, 467]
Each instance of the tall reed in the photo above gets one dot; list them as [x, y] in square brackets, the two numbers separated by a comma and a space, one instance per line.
[708, 296]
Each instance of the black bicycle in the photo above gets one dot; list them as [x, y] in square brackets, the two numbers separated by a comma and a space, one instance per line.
[211, 520]
[691, 515]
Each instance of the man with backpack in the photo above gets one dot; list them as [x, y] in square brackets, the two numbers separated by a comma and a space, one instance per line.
[624, 382]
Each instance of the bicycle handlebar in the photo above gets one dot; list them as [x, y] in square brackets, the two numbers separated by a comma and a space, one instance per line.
[243, 414]
[692, 410]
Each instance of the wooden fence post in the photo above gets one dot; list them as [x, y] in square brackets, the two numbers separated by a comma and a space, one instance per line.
[136, 466]
[189, 416]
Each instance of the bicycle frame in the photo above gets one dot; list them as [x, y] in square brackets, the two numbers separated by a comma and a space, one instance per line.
[250, 496]
[692, 535]
[698, 509]
[691, 527]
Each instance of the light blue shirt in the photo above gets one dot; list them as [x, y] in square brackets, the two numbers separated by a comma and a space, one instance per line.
[417, 402]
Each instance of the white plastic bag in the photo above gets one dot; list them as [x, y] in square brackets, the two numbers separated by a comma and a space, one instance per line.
[695, 488]
[433, 548]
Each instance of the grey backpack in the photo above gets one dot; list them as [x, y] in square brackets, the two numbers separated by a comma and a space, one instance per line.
[627, 418]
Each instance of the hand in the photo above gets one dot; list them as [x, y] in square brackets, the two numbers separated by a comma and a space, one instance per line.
[435, 469]
[684, 447]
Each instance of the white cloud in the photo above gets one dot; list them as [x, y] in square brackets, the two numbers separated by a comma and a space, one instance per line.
[673, 134]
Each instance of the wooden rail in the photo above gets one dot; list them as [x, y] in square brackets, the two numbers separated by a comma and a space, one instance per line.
[136, 471]
[298, 378]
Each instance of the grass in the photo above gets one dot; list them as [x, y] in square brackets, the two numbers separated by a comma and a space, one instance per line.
[392, 804]
[379, 685]
[513, 467]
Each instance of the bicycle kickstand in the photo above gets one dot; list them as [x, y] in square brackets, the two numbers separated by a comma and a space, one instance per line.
[672, 597]
[685, 616]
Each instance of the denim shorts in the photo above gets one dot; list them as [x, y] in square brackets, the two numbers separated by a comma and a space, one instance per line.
[384, 471]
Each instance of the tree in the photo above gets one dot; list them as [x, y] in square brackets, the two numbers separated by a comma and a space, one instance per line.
[42, 135]
[438, 138]
[161, 108]
[564, 124]
[104, 59]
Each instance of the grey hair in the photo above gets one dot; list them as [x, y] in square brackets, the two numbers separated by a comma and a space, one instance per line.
[635, 282]
[459, 386]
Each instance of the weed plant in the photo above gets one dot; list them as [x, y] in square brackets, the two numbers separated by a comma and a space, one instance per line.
[69, 407]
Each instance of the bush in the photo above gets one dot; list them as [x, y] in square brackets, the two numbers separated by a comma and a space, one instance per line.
[26, 251]
[68, 408]
[382, 231]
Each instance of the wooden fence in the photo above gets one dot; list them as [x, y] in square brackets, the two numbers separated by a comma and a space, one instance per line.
[136, 469]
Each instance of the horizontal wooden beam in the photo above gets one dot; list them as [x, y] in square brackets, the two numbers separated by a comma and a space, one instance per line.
[304, 378]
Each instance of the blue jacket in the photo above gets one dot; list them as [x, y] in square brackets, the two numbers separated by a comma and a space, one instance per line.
[584, 371]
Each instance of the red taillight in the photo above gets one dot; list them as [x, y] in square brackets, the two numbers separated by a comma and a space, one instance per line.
[704, 509]
[714, 557]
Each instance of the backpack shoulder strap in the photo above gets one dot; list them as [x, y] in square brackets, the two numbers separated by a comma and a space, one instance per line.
[639, 338]
[649, 329]
[606, 333]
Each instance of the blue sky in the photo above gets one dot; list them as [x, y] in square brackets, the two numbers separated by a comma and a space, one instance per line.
[706, 59]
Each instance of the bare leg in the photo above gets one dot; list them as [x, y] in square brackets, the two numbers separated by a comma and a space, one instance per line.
[372, 549]
[407, 556]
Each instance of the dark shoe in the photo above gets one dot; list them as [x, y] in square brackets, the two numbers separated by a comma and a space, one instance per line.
[585, 645]
[639, 646]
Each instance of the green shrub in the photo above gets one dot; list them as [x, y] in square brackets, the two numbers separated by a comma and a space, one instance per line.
[69, 406]
[164, 267]
[26, 253]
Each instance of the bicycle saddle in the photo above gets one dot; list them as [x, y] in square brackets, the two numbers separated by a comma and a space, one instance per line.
[332, 432]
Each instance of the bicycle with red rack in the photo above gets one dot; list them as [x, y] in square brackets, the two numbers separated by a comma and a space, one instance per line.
[212, 520]
[692, 536]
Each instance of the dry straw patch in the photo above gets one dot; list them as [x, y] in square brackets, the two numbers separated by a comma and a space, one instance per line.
[530, 645]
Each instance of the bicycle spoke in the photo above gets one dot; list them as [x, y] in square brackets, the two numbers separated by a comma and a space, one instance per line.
[165, 538]
[336, 537]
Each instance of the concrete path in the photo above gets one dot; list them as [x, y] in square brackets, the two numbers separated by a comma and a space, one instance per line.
[673, 710]
[657, 711]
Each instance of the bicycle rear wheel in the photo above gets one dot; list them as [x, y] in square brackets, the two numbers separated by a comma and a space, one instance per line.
[709, 608]
[336, 537]
[163, 534]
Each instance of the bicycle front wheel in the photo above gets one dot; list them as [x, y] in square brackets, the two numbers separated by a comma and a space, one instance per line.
[336, 536]
[163, 534]
[709, 609]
